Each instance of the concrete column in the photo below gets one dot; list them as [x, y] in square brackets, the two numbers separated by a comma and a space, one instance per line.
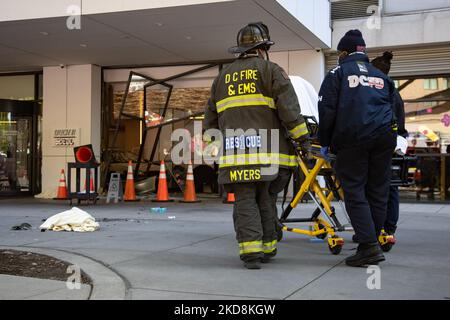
[308, 64]
[72, 100]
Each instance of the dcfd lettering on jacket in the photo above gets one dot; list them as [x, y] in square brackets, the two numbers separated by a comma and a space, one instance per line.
[373, 82]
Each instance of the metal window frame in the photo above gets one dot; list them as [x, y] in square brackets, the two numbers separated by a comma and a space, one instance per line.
[151, 82]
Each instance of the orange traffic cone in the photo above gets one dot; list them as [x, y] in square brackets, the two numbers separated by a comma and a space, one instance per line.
[189, 191]
[91, 181]
[130, 194]
[230, 198]
[91, 184]
[163, 193]
[62, 193]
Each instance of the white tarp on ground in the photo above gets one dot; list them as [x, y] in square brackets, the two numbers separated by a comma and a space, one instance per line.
[71, 220]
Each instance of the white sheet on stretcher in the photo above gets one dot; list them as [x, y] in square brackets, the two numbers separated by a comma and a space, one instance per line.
[307, 96]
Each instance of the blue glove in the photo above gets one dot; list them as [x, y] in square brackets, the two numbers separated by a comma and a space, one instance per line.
[324, 151]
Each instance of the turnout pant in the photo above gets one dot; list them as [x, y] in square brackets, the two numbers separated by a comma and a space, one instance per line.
[278, 185]
[390, 225]
[365, 174]
[254, 219]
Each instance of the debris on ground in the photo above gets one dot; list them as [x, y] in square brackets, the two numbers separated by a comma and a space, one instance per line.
[23, 226]
[74, 219]
[28, 264]
[160, 210]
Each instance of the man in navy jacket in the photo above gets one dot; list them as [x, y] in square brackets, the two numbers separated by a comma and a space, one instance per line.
[357, 123]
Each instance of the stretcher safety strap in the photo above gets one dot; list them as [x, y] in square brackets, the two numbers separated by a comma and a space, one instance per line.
[246, 100]
[257, 159]
[299, 131]
[250, 247]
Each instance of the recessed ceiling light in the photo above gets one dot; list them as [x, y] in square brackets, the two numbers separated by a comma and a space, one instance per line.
[159, 24]
[44, 33]
[188, 38]
[84, 45]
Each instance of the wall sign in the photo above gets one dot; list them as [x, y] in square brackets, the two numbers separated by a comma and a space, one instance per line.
[66, 137]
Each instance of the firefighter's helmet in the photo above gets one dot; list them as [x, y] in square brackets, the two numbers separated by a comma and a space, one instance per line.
[252, 36]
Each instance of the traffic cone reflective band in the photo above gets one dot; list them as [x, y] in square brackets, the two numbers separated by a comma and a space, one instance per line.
[189, 191]
[163, 193]
[130, 194]
[230, 198]
[62, 193]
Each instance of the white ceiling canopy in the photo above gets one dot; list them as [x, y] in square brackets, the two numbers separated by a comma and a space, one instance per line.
[180, 34]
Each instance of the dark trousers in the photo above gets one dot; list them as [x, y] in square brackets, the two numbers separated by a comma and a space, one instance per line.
[390, 225]
[254, 219]
[365, 173]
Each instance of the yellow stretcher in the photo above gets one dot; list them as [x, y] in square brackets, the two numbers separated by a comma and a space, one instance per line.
[323, 223]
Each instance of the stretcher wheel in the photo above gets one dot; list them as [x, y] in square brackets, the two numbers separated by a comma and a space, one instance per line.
[335, 244]
[387, 247]
[386, 241]
[335, 250]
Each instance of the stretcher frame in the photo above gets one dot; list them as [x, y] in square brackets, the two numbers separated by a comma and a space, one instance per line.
[323, 197]
[323, 221]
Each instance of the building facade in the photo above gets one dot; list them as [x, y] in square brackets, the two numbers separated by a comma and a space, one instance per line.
[66, 63]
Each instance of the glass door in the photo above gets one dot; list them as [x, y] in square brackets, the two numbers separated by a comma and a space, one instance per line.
[15, 153]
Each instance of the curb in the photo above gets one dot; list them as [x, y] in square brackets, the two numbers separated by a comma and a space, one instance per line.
[106, 284]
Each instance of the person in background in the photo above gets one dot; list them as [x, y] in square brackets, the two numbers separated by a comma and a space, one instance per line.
[383, 63]
[357, 123]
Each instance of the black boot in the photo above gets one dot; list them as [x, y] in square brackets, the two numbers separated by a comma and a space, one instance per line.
[366, 254]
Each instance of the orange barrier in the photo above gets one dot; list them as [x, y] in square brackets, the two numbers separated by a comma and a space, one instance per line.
[163, 193]
[130, 194]
[230, 198]
[91, 183]
[189, 191]
[62, 193]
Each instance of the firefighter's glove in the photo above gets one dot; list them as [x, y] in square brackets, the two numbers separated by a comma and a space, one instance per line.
[303, 144]
[325, 152]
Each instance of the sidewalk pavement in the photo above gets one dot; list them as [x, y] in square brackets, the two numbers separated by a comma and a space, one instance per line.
[195, 255]
[23, 288]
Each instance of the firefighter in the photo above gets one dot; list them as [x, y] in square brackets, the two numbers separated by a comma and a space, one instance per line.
[383, 63]
[357, 124]
[254, 106]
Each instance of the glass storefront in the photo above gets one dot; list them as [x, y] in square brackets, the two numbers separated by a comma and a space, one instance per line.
[15, 152]
[20, 156]
[427, 112]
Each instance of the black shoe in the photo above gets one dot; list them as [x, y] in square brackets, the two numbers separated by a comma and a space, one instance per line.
[252, 265]
[366, 254]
